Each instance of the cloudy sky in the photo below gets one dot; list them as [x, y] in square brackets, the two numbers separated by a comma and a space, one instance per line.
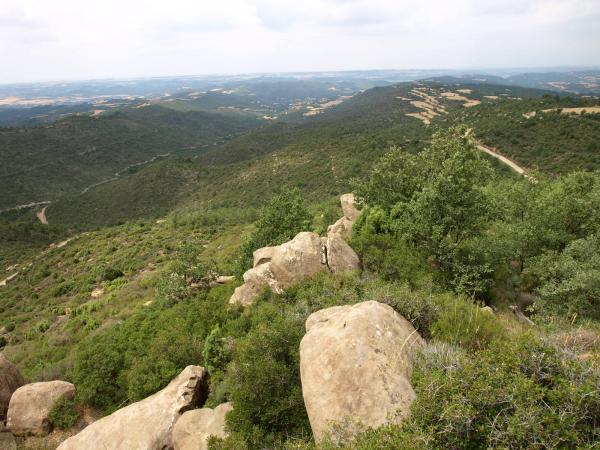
[84, 39]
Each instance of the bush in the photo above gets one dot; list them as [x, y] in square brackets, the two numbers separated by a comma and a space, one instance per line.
[569, 282]
[139, 356]
[64, 413]
[111, 273]
[214, 354]
[423, 208]
[520, 394]
[419, 307]
[265, 381]
[284, 216]
[386, 254]
[461, 322]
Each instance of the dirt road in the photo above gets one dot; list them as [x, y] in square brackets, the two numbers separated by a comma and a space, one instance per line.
[41, 215]
[490, 151]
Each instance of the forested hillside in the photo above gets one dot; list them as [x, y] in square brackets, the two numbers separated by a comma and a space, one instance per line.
[44, 162]
[324, 152]
[495, 273]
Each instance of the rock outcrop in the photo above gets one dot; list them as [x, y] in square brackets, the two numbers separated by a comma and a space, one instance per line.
[297, 260]
[340, 256]
[355, 364]
[192, 430]
[255, 280]
[282, 266]
[30, 406]
[10, 380]
[342, 227]
[263, 255]
[349, 206]
[147, 424]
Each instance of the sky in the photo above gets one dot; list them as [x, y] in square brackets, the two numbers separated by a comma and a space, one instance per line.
[43, 40]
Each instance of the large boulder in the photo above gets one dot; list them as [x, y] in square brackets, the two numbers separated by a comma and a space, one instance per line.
[192, 430]
[298, 259]
[281, 267]
[343, 227]
[349, 206]
[355, 364]
[147, 424]
[10, 380]
[255, 280]
[263, 255]
[30, 406]
[340, 256]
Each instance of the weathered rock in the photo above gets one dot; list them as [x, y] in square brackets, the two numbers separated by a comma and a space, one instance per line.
[255, 280]
[343, 227]
[355, 364]
[263, 255]
[487, 310]
[297, 260]
[147, 424]
[30, 406]
[222, 279]
[340, 256]
[10, 380]
[349, 206]
[192, 430]
[288, 264]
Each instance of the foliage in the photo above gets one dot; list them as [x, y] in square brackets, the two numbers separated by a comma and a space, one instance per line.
[436, 205]
[111, 273]
[131, 360]
[215, 353]
[460, 322]
[518, 394]
[79, 151]
[284, 216]
[385, 253]
[265, 381]
[64, 413]
[570, 281]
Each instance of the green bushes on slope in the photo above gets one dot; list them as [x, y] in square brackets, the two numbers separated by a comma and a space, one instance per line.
[280, 219]
[441, 216]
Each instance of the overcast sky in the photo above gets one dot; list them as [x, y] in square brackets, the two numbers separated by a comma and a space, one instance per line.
[84, 39]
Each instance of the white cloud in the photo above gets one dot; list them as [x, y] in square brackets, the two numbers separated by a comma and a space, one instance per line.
[65, 39]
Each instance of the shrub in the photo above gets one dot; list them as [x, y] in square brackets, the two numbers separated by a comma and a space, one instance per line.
[265, 381]
[97, 372]
[569, 282]
[284, 216]
[111, 273]
[64, 413]
[461, 322]
[520, 394]
[214, 354]
[418, 307]
[386, 254]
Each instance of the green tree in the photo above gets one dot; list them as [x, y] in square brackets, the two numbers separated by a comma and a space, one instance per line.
[284, 216]
[434, 201]
[570, 281]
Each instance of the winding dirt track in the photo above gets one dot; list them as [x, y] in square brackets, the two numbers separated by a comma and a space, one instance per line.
[41, 215]
[490, 151]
